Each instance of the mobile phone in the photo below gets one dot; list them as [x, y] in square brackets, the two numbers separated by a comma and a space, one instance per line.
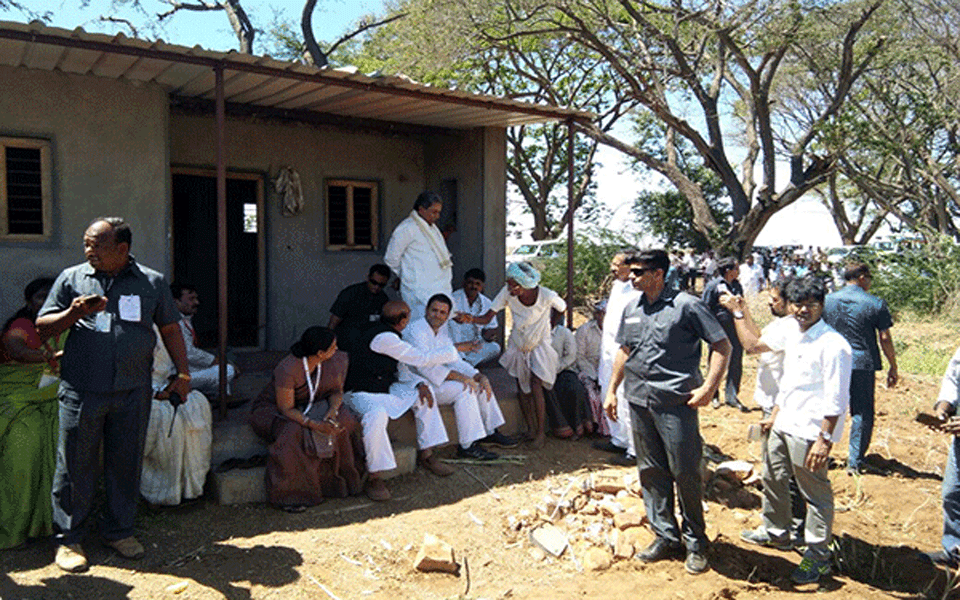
[92, 300]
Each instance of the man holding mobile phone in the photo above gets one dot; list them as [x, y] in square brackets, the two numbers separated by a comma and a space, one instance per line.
[110, 304]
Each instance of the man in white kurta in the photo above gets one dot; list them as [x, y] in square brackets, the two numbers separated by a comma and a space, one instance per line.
[621, 294]
[458, 382]
[379, 396]
[470, 300]
[418, 254]
[176, 453]
[204, 368]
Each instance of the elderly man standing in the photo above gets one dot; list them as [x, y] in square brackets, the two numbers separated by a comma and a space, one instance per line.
[807, 420]
[861, 318]
[622, 293]
[204, 366]
[658, 361]
[110, 304]
[417, 253]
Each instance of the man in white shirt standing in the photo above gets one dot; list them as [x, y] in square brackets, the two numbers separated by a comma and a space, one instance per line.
[470, 300]
[204, 366]
[751, 276]
[621, 294]
[807, 420]
[418, 254]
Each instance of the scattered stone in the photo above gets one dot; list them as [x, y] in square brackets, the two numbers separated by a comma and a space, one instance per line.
[628, 519]
[550, 539]
[623, 549]
[607, 483]
[176, 588]
[597, 559]
[610, 507]
[537, 554]
[735, 470]
[631, 503]
[435, 555]
[639, 537]
[590, 509]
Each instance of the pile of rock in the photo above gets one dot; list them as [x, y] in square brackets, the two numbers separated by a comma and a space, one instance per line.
[595, 519]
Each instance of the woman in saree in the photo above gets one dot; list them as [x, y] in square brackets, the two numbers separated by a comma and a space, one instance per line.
[28, 422]
[315, 447]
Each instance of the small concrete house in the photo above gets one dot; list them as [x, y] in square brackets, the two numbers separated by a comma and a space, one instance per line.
[95, 125]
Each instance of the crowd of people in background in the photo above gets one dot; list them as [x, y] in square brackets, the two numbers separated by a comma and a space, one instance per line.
[120, 342]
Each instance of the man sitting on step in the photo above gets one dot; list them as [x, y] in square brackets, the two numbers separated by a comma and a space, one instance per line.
[373, 390]
[456, 382]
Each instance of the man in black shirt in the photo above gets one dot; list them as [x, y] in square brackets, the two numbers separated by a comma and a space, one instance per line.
[726, 282]
[358, 306]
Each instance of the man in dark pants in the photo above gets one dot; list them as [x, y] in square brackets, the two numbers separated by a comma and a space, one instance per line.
[659, 364]
[110, 304]
[862, 318]
[726, 282]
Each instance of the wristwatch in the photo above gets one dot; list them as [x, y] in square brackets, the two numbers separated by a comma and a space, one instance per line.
[738, 314]
[825, 436]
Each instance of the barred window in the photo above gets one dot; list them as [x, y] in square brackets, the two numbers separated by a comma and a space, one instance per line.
[351, 215]
[25, 196]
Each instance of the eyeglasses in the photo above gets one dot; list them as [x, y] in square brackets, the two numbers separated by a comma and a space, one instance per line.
[640, 271]
[376, 283]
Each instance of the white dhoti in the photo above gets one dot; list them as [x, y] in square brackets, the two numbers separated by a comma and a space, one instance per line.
[541, 361]
[488, 351]
[207, 381]
[176, 456]
[621, 431]
[375, 412]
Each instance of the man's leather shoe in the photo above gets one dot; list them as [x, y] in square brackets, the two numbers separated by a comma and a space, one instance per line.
[622, 459]
[696, 563]
[128, 547]
[608, 446]
[660, 549]
[376, 490]
[735, 403]
[476, 452]
[500, 440]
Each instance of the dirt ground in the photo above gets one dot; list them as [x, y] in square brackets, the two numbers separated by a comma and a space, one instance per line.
[357, 549]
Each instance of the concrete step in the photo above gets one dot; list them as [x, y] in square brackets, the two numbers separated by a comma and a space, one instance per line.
[244, 486]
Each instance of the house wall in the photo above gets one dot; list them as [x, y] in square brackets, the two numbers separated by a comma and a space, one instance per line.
[302, 277]
[109, 157]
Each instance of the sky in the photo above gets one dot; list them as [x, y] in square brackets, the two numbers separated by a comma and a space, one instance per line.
[806, 222]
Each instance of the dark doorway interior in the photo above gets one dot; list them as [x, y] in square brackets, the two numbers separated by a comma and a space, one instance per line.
[195, 254]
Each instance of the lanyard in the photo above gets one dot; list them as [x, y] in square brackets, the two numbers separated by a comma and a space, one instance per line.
[313, 386]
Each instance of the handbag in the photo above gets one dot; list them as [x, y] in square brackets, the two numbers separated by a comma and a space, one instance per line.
[316, 443]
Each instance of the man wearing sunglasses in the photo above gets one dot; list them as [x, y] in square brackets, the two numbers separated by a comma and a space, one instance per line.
[358, 307]
[658, 362]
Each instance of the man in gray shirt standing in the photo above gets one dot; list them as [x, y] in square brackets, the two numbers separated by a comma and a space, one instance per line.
[659, 363]
[110, 304]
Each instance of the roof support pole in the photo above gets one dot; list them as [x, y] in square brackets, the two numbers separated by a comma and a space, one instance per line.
[570, 209]
[221, 238]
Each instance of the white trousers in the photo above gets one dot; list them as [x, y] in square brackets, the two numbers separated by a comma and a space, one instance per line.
[376, 410]
[488, 351]
[477, 416]
[207, 381]
[621, 432]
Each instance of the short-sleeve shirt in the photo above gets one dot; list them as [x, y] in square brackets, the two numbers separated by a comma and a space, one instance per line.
[858, 316]
[717, 287]
[776, 336]
[663, 343]
[357, 310]
[112, 352]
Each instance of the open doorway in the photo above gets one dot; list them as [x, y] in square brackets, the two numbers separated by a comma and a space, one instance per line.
[195, 252]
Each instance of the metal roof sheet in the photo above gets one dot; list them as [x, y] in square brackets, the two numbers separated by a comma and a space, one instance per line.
[263, 81]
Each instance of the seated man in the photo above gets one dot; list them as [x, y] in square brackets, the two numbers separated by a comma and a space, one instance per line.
[176, 454]
[457, 382]
[373, 391]
[358, 307]
[470, 299]
[204, 366]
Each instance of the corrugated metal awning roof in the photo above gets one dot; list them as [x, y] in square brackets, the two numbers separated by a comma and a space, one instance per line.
[262, 81]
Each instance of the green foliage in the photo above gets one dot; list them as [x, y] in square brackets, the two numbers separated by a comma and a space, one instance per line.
[923, 281]
[591, 277]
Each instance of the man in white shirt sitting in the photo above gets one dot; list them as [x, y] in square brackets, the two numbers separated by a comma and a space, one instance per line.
[807, 420]
[204, 366]
[458, 383]
[471, 300]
